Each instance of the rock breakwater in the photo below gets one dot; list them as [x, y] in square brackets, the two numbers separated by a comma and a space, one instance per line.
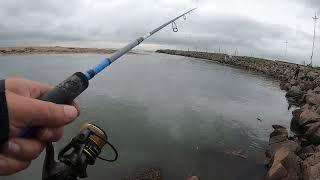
[287, 157]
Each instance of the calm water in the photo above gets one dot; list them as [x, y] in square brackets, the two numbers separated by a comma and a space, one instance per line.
[174, 112]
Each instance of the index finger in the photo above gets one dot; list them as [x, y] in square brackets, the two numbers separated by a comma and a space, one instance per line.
[26, 87]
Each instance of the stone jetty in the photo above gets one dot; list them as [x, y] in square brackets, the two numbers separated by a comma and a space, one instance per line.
[288, 157]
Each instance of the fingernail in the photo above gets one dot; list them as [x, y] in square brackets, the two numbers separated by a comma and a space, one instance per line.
[13, 147]
[70, 112]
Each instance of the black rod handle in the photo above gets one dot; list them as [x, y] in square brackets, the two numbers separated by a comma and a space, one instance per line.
[63, 93]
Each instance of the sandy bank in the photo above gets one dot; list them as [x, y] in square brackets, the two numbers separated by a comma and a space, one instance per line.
[52, 50]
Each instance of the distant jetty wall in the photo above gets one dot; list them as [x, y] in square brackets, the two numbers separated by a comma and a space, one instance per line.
[287, 157]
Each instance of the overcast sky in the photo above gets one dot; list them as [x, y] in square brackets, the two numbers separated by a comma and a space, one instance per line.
[254, 27]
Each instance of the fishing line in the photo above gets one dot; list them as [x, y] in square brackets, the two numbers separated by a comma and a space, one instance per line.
[115, 152]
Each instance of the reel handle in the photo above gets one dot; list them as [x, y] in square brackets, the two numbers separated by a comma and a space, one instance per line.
[63, 93]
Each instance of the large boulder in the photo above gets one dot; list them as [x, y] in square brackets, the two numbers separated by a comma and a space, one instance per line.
[292, 164]
[285, 166]
[294, 95]
[313, 133]
[294, 91]
[290, 145]
[303, 119]
[285, 86]
[280, 134]
[295, 125]
[276, 172]
[279, 139]
[294, 82]
[308, 116]
[312, 99]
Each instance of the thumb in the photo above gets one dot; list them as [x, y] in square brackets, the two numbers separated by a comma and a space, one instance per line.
[28, 112]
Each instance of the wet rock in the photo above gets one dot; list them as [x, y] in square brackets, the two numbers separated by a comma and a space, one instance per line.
[307, 116]
[278, 130]
[295, 125]
[307, 150]
[285, 86]
[304, 142]
[302, 120]
[292, 164]
[294, 82]
[313, 133]
[289, 145]
[294, 91]
[312, 99]
[294, 95]
[276, 172]
[285, 165]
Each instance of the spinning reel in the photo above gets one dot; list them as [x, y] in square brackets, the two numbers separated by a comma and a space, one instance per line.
[83, 150]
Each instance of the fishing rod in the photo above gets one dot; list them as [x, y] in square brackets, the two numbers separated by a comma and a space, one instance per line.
[84, 148]
[72, 87]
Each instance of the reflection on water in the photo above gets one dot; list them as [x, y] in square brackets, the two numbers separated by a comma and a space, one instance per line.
[177, 113]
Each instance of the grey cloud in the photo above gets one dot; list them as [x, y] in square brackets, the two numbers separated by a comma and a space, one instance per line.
[121, 21]
[247, 35]
[313, 3]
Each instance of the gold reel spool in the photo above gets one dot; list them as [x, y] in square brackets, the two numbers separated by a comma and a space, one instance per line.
[99, 138]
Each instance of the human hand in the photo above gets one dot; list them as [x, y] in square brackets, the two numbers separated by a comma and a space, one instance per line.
[26, 111]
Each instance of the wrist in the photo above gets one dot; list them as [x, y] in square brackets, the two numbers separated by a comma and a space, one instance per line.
[4, 117]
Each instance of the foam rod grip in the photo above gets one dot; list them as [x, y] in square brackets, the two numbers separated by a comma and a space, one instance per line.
[64, 93]
[68, 90]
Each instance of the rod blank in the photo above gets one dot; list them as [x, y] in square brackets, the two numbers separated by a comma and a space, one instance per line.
[116, 55]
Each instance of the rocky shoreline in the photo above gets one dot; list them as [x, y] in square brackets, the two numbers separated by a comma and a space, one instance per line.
[287, 157]
[52, 50]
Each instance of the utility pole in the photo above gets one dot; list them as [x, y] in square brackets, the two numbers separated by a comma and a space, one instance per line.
[236, 52]
[315, 18]
[285, 52]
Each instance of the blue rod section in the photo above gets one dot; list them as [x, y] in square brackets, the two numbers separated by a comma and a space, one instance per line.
[105, 63]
